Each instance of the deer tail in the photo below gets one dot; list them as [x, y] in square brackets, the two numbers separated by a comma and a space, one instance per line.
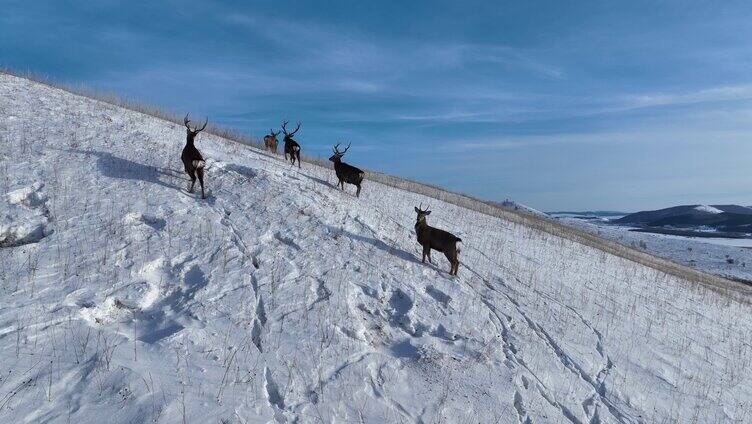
[295, 148]
[198, 164]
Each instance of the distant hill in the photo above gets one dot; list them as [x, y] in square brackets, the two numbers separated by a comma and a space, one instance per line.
[732, 218]
[603, 214]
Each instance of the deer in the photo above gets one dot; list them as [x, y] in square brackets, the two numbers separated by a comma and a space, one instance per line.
[436, 239]
[346, 173]
[270, 141]
[192, 160]
[292, 147]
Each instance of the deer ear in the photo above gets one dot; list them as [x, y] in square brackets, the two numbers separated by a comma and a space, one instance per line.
[428, 212]
[416, 210]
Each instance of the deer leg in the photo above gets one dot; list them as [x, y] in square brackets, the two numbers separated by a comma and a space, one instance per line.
[298, 159]
[451, 262]
[357, 193]
[455, 260]
[193, 181]
[200, 172]
[426, 252]
[429, 256]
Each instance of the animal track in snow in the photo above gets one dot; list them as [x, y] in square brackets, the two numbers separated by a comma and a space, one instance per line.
[157, 302]
[273, 396]
[321, 292]
[24, 217]
[400, 305]
[137, 218]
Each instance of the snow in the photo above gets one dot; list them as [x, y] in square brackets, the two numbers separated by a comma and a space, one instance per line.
[725, 257]
[25, 218]
[280, 298]
[527, 209]
[708, 209]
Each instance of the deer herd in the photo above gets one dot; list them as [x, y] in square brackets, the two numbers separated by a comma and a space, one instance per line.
[429, 238]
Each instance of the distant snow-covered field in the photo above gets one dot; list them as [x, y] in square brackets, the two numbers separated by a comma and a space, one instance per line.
[726, 257]
[282, 299]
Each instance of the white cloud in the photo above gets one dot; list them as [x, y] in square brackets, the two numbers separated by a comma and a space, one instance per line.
[713, 94]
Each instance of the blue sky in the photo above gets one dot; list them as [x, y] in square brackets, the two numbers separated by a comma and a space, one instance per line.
[558, 105]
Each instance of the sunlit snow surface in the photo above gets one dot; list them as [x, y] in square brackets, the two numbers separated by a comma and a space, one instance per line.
[708, 209]
[726, 257]
[282, 299]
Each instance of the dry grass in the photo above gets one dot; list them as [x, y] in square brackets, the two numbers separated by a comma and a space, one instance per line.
[735, 289]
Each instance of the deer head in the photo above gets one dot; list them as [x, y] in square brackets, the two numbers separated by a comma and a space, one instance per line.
[191, 133]
[273, 134]
[422, 214]
[337, 156]
[288, 136]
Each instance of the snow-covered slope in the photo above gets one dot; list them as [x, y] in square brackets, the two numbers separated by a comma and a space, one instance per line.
[282, 299]
[728, 258]
[708, 209]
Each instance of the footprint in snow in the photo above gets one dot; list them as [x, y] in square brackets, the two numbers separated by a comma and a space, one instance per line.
[25, 219]
[136, 219]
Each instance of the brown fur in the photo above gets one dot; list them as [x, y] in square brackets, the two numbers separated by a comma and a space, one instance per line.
[193, 162]
[437, 239]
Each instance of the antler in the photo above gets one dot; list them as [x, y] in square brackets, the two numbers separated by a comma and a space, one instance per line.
[284, 130]
[196, 130]
[336, 150]
[204, 127]
[296, 130]
[420, 208]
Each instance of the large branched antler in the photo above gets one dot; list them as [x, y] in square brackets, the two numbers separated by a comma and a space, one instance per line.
[196, 130]
[203, 127]
[337, 152]
[284, 129]
[296, 129]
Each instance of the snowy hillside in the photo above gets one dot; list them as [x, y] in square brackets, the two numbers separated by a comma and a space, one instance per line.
[281, 299]
[728, 258]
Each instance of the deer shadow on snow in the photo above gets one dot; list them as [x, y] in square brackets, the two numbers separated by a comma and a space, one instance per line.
[392, 250]
[320, 181]
[125, 169]
[241, 170]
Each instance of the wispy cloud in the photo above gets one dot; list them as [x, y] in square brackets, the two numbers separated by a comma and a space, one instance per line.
[506, 57]
[705, 95]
